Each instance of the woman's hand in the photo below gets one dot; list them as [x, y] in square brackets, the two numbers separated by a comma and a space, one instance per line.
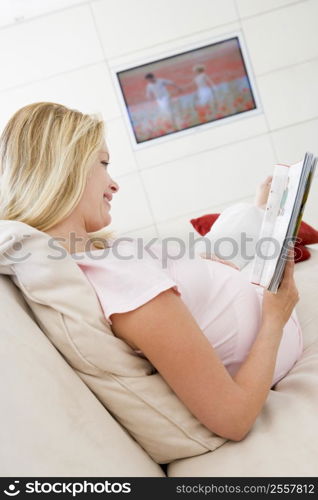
[214, 257]
[278, 307]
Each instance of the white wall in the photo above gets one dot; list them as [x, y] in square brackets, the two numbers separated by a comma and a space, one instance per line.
[61, 51]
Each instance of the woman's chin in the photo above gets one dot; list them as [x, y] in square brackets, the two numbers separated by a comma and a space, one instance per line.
[105, 215]
[107, 219]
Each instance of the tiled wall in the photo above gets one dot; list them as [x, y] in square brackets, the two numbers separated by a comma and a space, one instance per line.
[62, 51]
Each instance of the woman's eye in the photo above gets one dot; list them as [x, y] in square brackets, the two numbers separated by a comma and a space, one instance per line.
[105, 163]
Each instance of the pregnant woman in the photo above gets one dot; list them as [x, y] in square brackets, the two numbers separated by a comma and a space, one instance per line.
[219, 341]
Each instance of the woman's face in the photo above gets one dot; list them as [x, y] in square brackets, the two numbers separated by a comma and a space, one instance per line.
[95, 204]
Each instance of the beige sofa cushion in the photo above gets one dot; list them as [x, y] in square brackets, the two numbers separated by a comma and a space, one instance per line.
[67, 309]
[284, 438]
[51, 423]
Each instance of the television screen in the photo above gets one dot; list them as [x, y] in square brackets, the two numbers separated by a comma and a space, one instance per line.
[186, 90]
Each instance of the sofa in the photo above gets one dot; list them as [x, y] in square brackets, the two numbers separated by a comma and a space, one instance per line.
[53, 425]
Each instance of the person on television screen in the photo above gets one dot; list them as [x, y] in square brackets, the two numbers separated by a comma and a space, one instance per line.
[206, 94]
[157, 89]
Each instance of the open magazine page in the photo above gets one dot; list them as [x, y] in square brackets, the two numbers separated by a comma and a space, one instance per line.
[282, 221]
[272, 207]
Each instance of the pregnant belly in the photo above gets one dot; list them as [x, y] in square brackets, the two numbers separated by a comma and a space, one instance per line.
[233, 317]
[222, 301]
[228, 308]
[236, 321]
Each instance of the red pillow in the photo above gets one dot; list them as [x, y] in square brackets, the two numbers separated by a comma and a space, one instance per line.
[306, 234]
[204, 223]
[301, 253]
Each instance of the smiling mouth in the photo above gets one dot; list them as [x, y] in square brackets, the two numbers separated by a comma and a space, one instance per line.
[106, 201]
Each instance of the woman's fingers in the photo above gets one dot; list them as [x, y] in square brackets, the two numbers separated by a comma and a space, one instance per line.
[217, 259]
[229, 264]
[268, 180]
[262, 192]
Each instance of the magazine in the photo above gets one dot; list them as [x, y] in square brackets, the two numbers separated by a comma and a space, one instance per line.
[283, 213]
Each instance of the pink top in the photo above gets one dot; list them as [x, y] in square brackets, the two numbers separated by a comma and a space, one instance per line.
[226, 306]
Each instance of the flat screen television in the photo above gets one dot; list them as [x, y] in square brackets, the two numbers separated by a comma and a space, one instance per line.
[198, 87]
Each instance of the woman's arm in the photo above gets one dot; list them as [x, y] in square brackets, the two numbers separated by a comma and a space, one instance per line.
[168, 335]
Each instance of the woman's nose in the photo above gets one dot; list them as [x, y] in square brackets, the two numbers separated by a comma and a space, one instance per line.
[114, 186]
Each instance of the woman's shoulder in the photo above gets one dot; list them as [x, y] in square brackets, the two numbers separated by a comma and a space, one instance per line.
[125, 278]
[124, 253]
[115, 247]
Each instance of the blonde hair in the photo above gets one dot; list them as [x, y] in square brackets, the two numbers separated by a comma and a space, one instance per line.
[46, 150]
